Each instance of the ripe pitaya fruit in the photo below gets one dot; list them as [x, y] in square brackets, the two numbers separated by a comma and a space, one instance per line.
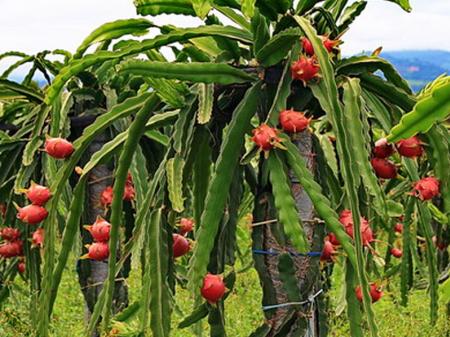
[411, 147]
[426, 188]
[213, 288]
[305, 69]
[293, 121]
[384, 168]
[32, 214]
[58, 148]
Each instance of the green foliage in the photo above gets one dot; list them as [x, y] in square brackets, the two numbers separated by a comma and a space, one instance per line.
[181, 128]
[219, 185]
[285, 204]
[194, 72]
[430, 109]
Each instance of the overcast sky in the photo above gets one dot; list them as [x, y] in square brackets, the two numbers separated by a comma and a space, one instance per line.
[34, 25]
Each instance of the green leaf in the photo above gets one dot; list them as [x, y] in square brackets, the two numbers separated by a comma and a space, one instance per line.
[233, 16]
[248, 8]
[278, 47]
[219, 185]
[369, 64]
[199, 313]
[445, 291]
[403, 4]
[21, 90]
[178, 35]
[395, 209]
[205, 102]
[431, 254]
[174, 173]
[321, 203]
[113, 30]
[283, 90]
[327, 94]
[305, 5]
[155, 287]
[157, 7]
[285, 204]
[350, 14]
[429, 110]
[201, 7]
[195, 72]
[356, 140]
[440, 148]
[135, 132]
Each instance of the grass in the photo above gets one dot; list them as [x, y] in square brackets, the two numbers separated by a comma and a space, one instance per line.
[243, 313]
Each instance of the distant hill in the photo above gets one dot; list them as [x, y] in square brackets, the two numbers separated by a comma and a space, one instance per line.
[419, 66]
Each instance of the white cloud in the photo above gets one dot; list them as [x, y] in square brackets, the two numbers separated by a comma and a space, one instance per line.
[32, 26]
[385, 24]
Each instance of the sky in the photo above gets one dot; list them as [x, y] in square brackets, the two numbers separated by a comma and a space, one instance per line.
[34, 25]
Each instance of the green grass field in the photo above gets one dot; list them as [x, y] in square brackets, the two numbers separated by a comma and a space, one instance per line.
[243, 312]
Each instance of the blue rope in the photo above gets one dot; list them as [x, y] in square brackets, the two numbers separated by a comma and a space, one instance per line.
[275, 252]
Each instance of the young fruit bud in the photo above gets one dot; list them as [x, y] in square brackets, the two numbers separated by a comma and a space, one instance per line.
[333, 239]
[328, 251]
[99, 230]
[3, 209]
[426, 188]
[396, 253]
[265, 137]
[307, 46]
[384, 168]
[11, 249]
[398, 228]
[330, 45]
[375, 293]
[58, 148]
[180, 245]
[305, 69]
[411, 147]
[129, 178]
[106, 196]
[383, 149]
[37, 239]
[186, 225]
[21, 267]
[128, 193]
[10, 234]
[98, 251]
[38, 194]
[293, 121]
[213, 288]
[32, 214]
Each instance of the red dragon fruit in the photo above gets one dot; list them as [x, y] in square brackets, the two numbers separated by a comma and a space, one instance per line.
[265, 137]
[411, 147]
[426, 188]
[384, 168]
[293, 121]
[38, 194]
[32, 214]
[305, 69]
[58, 148]
[383, 149]
[213, 288]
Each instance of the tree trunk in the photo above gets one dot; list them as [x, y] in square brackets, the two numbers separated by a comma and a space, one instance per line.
[289, 321]
[92, 274]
